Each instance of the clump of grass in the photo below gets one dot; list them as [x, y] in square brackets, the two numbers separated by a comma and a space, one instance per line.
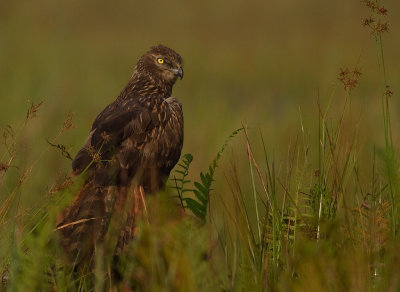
[27, 235]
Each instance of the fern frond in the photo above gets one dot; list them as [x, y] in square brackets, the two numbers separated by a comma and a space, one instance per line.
[181, 182]
[199, 203]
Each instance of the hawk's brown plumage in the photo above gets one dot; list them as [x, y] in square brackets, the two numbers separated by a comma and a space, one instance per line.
[137, 139]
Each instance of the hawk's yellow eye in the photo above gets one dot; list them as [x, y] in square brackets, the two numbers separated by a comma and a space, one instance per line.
[160, 60]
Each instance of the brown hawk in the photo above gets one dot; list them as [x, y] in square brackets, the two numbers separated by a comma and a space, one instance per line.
[132, 146]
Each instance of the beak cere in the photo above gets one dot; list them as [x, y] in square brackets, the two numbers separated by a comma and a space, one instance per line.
[179, 72]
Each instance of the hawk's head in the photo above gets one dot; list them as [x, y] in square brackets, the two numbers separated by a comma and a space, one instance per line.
[161, 63]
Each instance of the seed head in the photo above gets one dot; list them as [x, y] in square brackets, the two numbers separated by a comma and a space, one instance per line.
[382, 10]
[389, 91]
[368, 21]
[349, 78]
[106, 137]
[381, 27]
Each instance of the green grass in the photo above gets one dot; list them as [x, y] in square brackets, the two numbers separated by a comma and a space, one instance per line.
[304, 197]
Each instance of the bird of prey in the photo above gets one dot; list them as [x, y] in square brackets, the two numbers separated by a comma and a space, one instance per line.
[131, 148]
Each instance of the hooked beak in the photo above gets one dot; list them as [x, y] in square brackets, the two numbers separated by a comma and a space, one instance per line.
[179, 72]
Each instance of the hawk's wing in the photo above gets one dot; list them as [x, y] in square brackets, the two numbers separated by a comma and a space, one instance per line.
[131, 118]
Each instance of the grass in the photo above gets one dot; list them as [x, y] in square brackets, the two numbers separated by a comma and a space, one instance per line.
[322, 217]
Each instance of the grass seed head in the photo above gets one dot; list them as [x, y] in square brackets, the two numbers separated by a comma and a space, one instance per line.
[389, 91]
[68, 122]
[381, 27]
[382, 10]
[368, 21]
[31, 113]
[371, 4]
[376, 21]
[106, 137]
[97, 158]
[349, 78]
[90, 149]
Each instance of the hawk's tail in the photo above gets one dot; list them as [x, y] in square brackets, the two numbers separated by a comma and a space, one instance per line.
[129, 205]
[95, 211]
[84, 222]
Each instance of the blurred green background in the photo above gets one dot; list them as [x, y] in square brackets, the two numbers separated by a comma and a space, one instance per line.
[262, 62]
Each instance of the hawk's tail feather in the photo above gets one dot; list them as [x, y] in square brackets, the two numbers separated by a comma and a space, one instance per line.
[128, 206]
[84, 222]
[100, 213]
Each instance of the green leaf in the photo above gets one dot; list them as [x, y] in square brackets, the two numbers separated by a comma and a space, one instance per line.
[201, 197]
[204, 190]
[196, 208]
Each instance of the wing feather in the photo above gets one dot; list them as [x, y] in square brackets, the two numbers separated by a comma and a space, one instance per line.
[137, 136]
[110, 129]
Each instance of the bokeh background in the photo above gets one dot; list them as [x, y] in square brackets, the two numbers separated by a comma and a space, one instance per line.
[265, 63]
